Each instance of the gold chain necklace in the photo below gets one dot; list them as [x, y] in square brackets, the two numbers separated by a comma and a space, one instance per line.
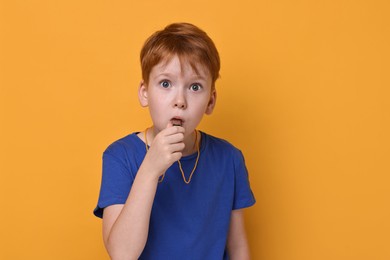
[181, 169]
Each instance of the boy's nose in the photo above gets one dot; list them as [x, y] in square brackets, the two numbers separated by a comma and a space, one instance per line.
[180, 104]
[180, 101]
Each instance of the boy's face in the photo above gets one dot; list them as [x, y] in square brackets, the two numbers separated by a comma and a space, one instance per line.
[178, 95]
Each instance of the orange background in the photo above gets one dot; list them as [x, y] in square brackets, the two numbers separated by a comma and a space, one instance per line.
[304, 93]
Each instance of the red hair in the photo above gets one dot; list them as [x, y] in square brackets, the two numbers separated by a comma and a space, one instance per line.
[188, 42]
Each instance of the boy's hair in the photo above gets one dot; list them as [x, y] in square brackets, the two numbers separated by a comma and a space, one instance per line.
[188, 42]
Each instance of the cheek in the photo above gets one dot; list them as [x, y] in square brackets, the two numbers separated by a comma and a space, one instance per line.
[200, 110]
[156, 111]
[155, 101]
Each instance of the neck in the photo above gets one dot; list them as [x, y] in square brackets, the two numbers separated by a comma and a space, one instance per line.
[191, 143]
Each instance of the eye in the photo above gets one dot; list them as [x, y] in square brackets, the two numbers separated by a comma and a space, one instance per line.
[196, 87]
[165, 84]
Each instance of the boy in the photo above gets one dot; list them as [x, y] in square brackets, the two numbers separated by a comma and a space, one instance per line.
[171, 191]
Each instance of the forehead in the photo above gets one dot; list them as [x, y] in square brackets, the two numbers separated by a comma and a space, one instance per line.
[181, 66]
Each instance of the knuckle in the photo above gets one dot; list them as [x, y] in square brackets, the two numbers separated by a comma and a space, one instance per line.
[179, 129]
[172, 159]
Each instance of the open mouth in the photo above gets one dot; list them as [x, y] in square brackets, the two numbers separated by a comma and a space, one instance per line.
[177, 121]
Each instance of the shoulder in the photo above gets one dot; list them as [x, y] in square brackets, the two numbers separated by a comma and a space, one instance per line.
[220, 145]
[124, 146]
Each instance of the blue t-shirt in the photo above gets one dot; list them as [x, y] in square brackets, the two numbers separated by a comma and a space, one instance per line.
[188, 221]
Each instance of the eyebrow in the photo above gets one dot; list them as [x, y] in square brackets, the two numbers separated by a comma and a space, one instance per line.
[192, 77]
[200, 77]
[165, 74]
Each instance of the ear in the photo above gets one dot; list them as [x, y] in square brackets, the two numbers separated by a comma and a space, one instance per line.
[212, 102]
[143, 94]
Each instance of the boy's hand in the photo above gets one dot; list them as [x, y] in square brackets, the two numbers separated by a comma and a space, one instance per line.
[165, 149]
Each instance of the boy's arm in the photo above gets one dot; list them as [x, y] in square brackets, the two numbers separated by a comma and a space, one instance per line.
[237, 243]
[125, 227]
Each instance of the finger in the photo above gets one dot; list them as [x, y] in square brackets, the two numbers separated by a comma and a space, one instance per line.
[171, 129]
[175, 138]
[177, 155]
[169, 124]
[178, 147]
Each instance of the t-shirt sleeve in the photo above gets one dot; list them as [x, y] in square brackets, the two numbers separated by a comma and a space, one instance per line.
[243, 195]
[117, 179]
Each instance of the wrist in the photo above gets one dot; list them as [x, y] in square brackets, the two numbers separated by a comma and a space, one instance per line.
[148, 172]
